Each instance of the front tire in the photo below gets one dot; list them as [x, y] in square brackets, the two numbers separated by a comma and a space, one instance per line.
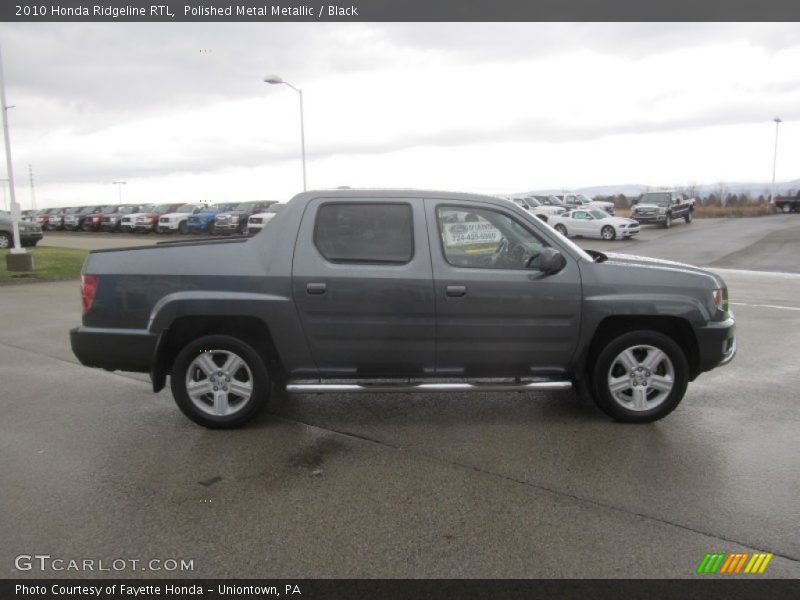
[688, 217]
[220, 381]
[183, 228]
[786, 208]
[608, 233]
[561, 229]
[640, 377]
[668, 221]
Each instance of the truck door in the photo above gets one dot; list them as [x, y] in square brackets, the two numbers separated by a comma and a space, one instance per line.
[496, 314]
[362, 283]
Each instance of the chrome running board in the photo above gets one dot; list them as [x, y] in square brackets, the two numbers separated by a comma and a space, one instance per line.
[405, 388]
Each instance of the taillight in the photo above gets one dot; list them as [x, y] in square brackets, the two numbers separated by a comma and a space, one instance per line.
[88, 289]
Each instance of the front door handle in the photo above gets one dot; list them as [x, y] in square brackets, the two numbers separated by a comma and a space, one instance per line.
[456, 291]
[315, 288]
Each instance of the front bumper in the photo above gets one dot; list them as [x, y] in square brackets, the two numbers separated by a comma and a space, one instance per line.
[226, 228]
[167, 227]
[145, 226]
[114, 349]
[716, 342]
[30, 236]
[649, 219]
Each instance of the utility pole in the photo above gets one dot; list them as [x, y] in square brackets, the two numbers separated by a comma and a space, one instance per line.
[774, 160]
[33, 195]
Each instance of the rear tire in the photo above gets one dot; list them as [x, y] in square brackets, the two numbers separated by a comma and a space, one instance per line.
[229, 381]
[640, 376]
[183, 228]
[561, 229]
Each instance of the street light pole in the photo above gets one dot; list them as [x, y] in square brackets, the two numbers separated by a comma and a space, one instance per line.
[17, 249]
[119, 185]
[276, 80]
[774, 160]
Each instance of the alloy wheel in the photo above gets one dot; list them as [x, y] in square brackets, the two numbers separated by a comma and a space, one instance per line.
[641, 378]
[219, 382]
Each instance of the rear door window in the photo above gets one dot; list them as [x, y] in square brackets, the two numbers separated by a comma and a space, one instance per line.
[362, 232]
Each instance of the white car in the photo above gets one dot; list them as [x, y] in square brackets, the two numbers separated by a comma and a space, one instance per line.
[533, 206]
[594, 223]
[572, 201]
[257, 221]
[178, 220]
[540, 208]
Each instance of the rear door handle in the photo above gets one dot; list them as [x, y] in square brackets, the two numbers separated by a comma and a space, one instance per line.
[315, 288]
[456, 291]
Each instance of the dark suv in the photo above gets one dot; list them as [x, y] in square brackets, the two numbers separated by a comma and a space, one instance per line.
[235, 220]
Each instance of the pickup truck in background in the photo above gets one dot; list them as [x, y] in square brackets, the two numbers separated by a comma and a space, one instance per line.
[662, 208]
[401, 291]
[787, 204]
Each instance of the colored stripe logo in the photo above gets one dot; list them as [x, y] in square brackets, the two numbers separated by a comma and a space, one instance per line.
[734, 563]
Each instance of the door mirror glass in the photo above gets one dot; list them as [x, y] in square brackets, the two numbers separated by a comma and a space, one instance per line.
[550, 261]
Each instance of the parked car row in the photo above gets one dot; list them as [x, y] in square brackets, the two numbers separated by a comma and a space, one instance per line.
[216, 219]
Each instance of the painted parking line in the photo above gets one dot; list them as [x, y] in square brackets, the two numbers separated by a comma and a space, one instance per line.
[766, 306]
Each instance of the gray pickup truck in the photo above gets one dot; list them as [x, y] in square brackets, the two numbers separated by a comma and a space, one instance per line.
[401, 291]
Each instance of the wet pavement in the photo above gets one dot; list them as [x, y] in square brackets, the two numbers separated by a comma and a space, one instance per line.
[493, 485]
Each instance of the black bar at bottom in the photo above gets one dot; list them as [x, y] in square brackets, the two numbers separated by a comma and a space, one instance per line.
[400, 589]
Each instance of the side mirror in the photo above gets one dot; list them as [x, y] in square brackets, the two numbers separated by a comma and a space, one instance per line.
[551, 261]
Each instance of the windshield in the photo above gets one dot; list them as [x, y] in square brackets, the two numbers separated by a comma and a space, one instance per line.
[533, 202]
[275, 208]
[186, 208]
[660, 198]
[73, 210]
[90, 209]
[162, 208]
[108, 209]
[583, 198]
[247, 206]
[599, 214]
[126, 210]
[220, 207]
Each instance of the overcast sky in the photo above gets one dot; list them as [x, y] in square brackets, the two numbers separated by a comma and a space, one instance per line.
[181, 113]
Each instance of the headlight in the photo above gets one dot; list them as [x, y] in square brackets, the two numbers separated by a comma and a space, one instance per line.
[721, 299]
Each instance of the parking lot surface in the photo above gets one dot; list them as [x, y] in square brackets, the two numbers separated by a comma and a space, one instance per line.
[493, 485]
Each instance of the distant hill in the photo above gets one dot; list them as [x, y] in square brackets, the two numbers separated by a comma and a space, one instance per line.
[632, 189]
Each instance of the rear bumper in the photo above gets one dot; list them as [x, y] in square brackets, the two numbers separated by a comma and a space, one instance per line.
[114, 349]
[716, 342]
